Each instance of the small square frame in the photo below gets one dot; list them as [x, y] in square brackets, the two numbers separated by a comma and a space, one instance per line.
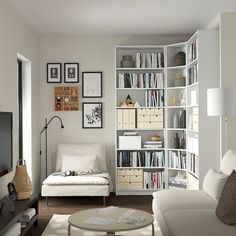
[92, 115]
[53, 72]
[92, 84]
[71, 72]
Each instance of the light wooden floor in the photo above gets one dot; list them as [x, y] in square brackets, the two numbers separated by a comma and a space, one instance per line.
[69, 205]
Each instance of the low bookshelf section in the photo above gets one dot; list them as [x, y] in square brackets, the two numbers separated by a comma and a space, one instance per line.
[20, 218]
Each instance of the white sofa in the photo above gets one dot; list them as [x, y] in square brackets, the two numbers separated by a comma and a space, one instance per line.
[56, 185]
[192, 212]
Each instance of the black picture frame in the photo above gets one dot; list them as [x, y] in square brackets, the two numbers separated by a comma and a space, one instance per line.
[71, 72]
[53, 72]
[92, 84]
[92, 115]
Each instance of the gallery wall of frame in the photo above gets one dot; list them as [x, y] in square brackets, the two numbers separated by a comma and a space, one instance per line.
[66, 98]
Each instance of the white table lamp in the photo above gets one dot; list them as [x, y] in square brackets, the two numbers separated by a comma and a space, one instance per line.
[221, 102]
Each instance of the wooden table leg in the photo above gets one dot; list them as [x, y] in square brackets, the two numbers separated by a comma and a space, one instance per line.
[69, 228]
[110, 233]
[152, 229]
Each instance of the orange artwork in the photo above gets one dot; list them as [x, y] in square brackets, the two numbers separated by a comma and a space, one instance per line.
[66, 98]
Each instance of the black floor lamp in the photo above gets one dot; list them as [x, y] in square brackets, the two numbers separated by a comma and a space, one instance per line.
[45, 128]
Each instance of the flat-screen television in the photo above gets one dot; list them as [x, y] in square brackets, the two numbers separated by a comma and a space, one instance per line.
[6, 158]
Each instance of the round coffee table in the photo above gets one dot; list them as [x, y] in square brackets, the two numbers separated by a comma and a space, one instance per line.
[98, 219]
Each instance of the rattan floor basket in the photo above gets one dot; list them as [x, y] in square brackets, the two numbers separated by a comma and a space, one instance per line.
[22, 181]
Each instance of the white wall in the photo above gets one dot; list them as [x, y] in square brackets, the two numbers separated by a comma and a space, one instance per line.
[16, 37]
[93, 53]
[228, 62]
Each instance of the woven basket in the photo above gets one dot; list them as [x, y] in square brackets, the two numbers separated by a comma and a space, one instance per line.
[22, 181]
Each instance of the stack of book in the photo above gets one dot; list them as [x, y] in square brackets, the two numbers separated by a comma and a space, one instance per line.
[177, 159]
[153, 144]
[177, 182]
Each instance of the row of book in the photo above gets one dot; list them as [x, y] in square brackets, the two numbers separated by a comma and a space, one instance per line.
[154, 98]
[193, 164]
[193, 74]
[177, 159]
[192, 51]
[149, 60]
[141, 80]
[141, 159]
[153, 180]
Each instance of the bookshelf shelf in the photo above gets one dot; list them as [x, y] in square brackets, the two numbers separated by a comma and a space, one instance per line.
[139, 69]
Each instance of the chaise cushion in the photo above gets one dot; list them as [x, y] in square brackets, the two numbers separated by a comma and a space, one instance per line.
[97, 149]
[174, 199]
[196, 222]
[75, 180]
[79, 162]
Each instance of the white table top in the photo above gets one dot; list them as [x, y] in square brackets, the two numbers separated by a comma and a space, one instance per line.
[111, 215]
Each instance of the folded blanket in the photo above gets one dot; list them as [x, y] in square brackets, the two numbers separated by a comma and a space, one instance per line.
[75, 173]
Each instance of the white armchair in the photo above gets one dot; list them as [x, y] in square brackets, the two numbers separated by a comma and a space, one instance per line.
[79, 157]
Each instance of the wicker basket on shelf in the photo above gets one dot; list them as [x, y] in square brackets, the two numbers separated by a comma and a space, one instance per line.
[22, 181]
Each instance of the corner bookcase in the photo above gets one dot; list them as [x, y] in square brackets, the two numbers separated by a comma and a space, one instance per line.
[159, 92]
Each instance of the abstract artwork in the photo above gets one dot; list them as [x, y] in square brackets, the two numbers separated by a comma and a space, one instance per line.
[92, 114]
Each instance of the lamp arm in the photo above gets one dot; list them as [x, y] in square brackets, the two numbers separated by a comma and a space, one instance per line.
[46, 126]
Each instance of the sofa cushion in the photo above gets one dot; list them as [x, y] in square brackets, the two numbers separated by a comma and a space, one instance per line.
[79, 163]
[226, 208]
[97, 149]
[213, 183]
[228, 164]
[173, 199]
[196, 222]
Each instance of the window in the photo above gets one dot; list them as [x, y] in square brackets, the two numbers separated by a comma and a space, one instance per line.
[20, 107]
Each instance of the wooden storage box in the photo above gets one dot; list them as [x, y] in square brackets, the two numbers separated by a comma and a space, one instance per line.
[150, 118]
[130, 178]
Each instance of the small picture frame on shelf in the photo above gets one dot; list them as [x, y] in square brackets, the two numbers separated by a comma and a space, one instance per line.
[92, 115]
[53, 72]
[71, 72]
[92, 84]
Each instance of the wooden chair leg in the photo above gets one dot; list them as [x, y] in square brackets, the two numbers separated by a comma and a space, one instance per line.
[46, 201]
[104, 200]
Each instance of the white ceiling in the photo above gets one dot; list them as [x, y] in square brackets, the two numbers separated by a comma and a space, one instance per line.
[50, 17]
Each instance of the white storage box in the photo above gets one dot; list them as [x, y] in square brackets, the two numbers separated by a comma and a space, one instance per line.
[129, 142]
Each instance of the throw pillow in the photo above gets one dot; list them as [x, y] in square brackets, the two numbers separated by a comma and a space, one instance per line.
[226, 208]
[79, 163]
[228, 164]
[213, 183]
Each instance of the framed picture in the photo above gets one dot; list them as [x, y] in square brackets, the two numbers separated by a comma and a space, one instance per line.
[71, 72]
[92, 84]
[92, 114]
[54, 72]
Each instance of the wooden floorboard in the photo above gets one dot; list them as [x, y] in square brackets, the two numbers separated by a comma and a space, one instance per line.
[69, 205]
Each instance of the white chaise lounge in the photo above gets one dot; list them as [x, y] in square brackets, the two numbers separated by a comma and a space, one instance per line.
[85, 157]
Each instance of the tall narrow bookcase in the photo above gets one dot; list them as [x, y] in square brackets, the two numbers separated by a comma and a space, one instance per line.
[158, 95]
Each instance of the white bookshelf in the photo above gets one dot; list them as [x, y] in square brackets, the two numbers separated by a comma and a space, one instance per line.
[207, 77]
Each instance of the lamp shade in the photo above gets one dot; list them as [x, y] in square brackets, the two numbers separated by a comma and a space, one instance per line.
[221, 102]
